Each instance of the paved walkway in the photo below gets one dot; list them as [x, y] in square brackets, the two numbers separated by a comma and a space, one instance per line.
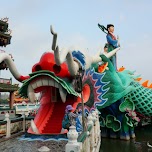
[15, 145]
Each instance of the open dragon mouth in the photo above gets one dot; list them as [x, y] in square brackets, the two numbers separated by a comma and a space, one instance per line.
[56, 94]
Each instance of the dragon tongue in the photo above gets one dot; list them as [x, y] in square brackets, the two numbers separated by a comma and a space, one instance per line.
[63, 93]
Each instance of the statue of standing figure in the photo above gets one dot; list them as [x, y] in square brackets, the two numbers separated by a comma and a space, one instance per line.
[112, 41]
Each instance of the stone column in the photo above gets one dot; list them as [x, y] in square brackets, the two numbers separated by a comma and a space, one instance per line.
[91, 134]
[26, 115]
[98, 122]
[98, 136]
[8, 125]
[16, 108]
[72, 145]
[95, 127]
[88, 144]
[23, 116]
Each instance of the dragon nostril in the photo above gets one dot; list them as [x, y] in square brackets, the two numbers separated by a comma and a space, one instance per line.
[38, 68]
[56, 69]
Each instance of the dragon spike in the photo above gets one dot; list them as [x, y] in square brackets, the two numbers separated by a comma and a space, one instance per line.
[121, 69]
[133, 71]
[150, 86]
[138, 79]
[145, 84]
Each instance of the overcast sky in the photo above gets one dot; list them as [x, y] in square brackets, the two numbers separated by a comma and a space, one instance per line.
[76, 21]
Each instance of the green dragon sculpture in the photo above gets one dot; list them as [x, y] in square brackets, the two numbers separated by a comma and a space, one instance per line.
[122, 98]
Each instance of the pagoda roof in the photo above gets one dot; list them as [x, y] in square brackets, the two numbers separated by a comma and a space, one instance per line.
[3, 25]
[5, 35]
[5, 39]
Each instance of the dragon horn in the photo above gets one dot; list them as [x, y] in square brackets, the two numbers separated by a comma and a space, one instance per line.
[9, 62]
[54, 38]
[96, 58]
[60, 57]
[113, 52]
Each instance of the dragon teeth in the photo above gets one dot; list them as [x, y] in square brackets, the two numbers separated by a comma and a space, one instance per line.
[39, 83]
[31, 94]
[63, 93]
[45, 82]
[34, 127]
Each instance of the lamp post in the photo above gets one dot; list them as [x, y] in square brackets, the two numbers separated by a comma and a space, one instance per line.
[79, 90]
[83, 116]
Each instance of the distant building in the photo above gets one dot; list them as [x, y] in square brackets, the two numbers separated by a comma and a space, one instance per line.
[5, 33]
[6, 84]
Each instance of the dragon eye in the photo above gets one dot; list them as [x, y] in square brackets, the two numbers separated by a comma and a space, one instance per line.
[56, 69]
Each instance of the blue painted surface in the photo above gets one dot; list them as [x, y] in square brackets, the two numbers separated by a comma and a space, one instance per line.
[30, 137]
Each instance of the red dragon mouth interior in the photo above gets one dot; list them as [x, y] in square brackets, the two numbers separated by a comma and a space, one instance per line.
[52, 107]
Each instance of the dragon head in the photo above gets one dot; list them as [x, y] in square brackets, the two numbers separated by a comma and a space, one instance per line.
[54, 77]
